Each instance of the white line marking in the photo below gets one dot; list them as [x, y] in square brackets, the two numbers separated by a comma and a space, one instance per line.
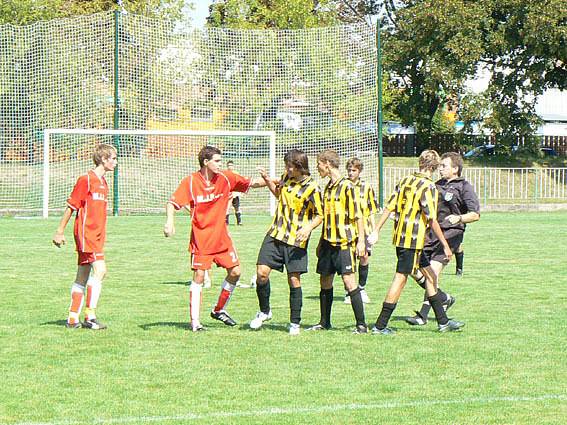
[301, 410]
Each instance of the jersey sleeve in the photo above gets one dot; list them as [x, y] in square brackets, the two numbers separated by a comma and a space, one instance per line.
[372, 203]
[470, 198]
[79, 194]
[182, 195]
[316, 200]
[237, 182]
[428, 202]
[352, 203]
[392, 202]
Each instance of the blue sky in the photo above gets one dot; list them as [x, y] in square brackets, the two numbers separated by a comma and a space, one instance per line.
[200, 12]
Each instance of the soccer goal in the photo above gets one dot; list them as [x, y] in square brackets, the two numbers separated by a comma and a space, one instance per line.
[151, 163]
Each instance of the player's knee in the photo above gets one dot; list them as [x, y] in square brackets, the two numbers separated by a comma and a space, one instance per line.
[234, 274]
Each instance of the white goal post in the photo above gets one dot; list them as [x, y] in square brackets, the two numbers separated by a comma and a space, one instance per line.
[48, 142]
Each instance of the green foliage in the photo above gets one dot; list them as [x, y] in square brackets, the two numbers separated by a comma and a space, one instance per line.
[21, 12]
[276, 14]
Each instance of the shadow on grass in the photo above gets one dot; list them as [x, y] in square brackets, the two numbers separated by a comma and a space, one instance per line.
[174, 282]
[181, 325]
[61, 322]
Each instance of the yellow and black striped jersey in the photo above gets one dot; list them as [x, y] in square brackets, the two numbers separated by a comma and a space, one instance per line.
[342, 209]
[368, 203]
[414, 204]
[299, 202]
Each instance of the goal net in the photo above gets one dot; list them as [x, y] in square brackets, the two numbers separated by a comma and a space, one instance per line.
[315, 88]
[151, 163]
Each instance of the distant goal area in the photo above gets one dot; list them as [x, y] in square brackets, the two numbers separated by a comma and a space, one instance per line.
[151, 163]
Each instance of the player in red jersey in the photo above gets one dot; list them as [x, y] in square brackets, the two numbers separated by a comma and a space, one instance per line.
[89, 200]
[207, 194]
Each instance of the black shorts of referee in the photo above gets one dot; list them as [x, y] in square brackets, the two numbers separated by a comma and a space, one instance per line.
[276, 254]
[433, 250]
[339, 259]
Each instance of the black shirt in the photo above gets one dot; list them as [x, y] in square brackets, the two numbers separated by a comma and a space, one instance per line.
[456, 197]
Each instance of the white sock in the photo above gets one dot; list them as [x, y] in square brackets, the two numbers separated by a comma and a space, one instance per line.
[195, 298]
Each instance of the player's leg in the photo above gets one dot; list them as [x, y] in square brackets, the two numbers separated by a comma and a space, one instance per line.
[326, 270]
[199, 264]
[407, 263]
[94, 288]
[237, 211]
[295, 301]
[459, 260]
[78, 295]
[363, 276]
[229, 261]
[436, 301]
[263, 291]
[347, 269]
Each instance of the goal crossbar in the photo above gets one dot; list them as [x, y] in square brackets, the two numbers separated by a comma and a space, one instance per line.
[47, 133]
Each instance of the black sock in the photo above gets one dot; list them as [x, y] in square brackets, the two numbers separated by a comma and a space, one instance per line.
[436, 302]
[385, 314]
[263, 293]
[362, 275]
[238, 218]
[357, 306]
[459, 258]
[425, 307]
[295, 303]
[326, 302]
[421, 281]
[227, 216]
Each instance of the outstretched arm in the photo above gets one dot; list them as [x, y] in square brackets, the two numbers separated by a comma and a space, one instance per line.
[59, 237]
[271, 184]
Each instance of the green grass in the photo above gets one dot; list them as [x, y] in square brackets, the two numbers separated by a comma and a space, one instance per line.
[506, 367]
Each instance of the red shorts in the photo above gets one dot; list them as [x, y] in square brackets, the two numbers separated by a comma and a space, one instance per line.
[226, 259]
[89, 257]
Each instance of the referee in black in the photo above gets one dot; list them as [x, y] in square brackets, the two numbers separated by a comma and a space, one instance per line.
[458, 206]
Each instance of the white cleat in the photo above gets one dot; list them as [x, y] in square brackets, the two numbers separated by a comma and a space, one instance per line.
[259, 320]
[294, 329]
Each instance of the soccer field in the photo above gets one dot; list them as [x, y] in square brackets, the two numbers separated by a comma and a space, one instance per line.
[507, 366]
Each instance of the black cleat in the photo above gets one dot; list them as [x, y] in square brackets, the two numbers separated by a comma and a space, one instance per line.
[93, 324]
[450, 326]
[449, 302]
[318, 327]
[459, 272]
[360, 329]
[385, 331]
[73, 325]
[223, 317]
[416, 320]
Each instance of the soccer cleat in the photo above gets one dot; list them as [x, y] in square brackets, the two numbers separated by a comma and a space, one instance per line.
[258, 321]
[75, 325]
[385, 331]
[365, 297]
[417, 320]
[318, 327]
[223, 317]
[459, 272]
[294, 329]
[93, 324]
[198, 328]
[347, 299]
[450, 326]
[449, 302]
[360, 329]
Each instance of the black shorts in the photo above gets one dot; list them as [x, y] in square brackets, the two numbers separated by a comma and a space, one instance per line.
[276, 254]
[409, 260]
[335, 259]
[433, 249]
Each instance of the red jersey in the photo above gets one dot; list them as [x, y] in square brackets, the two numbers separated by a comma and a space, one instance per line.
[89, 199]
[208, 202]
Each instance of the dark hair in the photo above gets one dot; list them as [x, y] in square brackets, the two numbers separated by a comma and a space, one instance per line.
[207, 152]
[298, 159]
[354, 163]
[330, 156]
[429, 160]
[456, 161]
[229, 162]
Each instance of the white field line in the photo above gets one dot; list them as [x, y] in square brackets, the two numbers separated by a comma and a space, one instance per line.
[302, 410]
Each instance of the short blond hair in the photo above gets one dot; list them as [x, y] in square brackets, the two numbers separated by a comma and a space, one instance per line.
[429, 160]
[103, 151]
[330, 156]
